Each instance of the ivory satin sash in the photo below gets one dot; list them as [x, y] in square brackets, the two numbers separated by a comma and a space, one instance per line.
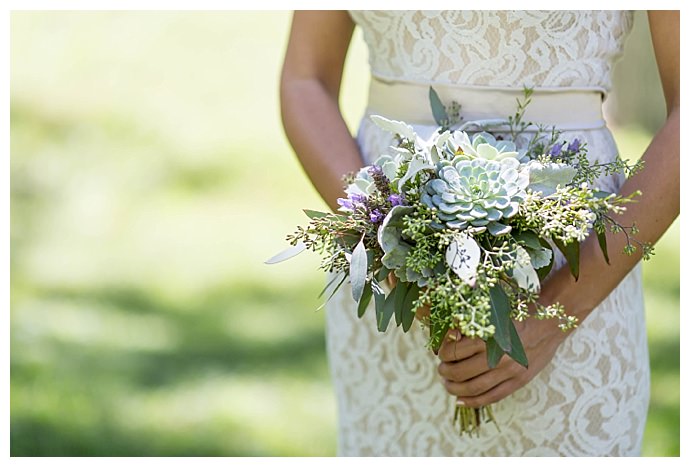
[566, 108]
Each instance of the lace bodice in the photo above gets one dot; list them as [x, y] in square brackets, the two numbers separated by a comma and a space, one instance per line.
[496, 48]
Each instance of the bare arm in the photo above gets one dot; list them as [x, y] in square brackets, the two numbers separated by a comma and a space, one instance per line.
[659, 183]
[463, 361]
[309, 90]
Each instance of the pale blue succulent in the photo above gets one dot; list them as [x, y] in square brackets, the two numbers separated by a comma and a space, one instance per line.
[483, 146]
[477, 193]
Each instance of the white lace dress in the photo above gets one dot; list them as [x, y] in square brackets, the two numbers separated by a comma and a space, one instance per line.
[592, 398]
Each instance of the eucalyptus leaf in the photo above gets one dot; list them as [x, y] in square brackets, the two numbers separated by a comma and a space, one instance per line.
[287, 254]
[500, 316]
[601, 194]
[528, 239]
[601, 236]
[382, 273]
[314, 214]
[333, 292]
[365, 300]
[330, 283]
[571, 251]
[358, 270]
[388, 310]
[400, 292]
[517, 352]
[379, 299]
[408, 313]
[437, 108]
[494, 352]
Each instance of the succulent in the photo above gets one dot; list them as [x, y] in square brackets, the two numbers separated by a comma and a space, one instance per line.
[477, 193]
[483, 146]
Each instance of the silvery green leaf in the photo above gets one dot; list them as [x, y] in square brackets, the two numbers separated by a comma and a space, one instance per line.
[442, 138]
[358, 270]
[413, 169]
[540, 257]
[435, 155]
[462, 255]
[438, 110]
[523, 271]
[394, 126]
[287, 254]
[390, 169]
[390, 238]
[547, 177]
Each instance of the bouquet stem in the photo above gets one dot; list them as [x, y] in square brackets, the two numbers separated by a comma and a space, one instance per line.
[469, 419]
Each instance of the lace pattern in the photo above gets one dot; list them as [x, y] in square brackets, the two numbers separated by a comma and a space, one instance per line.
[495, 48]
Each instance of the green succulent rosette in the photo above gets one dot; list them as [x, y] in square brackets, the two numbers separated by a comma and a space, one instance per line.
[478, 193]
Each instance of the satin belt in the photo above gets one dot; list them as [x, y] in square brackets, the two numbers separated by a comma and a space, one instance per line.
[565, 108]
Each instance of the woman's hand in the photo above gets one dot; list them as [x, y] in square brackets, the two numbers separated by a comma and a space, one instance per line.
[466, 373]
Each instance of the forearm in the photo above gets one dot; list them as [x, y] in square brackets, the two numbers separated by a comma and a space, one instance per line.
[318, 134]
[652, 213]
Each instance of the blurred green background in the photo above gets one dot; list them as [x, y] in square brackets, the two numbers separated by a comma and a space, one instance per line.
[149, 180]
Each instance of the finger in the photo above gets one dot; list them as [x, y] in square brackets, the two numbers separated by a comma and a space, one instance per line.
[459, 349]
[479, 385]
[464, 370]
[495, 394]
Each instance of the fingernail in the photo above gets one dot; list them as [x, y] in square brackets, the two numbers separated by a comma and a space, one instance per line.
[460, 403]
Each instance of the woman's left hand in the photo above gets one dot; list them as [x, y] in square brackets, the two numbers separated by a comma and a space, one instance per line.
[466, 373]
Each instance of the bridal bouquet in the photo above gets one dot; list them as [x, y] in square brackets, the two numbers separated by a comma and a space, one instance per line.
[467, 221]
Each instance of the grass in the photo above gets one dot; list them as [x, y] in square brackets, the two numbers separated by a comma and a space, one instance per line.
[150, 178]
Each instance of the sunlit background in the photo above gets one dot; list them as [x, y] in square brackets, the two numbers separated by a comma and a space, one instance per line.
[150, 178]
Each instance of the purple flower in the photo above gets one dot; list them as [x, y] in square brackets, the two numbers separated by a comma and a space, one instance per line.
[375, 171]
[574, 146]
[556, 149]
[396, 200]
[376, 216]
[352, 201]
[357, 198]
[345, 203]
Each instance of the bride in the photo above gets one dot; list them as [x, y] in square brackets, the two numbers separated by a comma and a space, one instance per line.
[585, 392]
